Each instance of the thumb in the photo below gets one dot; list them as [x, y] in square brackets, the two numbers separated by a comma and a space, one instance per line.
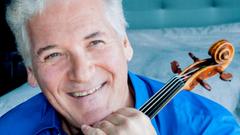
[88, 130]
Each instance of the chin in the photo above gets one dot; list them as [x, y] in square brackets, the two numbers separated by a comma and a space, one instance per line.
[95, 116]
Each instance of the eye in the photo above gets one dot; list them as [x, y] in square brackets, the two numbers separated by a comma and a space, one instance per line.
[53, 56]
[96, 42]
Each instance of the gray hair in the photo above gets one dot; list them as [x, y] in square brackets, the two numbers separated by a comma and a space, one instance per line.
[19, 12]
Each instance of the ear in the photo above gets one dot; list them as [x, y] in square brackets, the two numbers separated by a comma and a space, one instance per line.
[31, 78]
[128, 51]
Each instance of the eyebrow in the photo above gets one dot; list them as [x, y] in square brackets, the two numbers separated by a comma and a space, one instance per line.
[41, 50]
[93, 35]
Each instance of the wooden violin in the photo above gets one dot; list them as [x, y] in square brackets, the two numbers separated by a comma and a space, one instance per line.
[221, 52]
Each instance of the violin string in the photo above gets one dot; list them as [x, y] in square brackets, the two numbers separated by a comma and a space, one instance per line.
[161, 93]
[163, 100]
[188, 73]
[166, 92]
[161, 96]
[166, 99]
[169, 88]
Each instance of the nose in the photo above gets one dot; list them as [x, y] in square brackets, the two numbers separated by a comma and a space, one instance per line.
[81, 68]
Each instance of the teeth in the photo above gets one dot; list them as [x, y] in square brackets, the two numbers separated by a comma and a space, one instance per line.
[85, 93]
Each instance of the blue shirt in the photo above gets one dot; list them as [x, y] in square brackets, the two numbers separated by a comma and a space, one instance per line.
[186, 114]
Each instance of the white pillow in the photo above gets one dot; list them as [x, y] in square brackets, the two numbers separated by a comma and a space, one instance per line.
[16, 97]
[155, 49]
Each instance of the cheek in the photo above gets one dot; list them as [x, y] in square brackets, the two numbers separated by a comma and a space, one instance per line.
[49, 77]
[116, 64]
[114, 60]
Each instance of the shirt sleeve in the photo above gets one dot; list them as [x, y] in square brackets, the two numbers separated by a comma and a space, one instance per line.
[222, 125]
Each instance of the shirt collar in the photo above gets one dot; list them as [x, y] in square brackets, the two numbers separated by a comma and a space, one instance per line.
[50, 120]
[140, 90]
[143, 92]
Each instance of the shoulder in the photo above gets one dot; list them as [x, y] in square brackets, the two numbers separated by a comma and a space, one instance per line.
[153, 85]
[197, 104]
[200, 114]
[206, 114]
[25, 116]
[185, 99]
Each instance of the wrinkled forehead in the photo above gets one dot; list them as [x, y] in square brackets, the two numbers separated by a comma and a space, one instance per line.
[68, 13]
[77, 17]
[66, 7]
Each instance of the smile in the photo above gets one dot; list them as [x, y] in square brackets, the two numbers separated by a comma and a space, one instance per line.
[87, 92]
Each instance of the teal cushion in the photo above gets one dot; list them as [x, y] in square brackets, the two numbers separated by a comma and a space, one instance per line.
[150, 14]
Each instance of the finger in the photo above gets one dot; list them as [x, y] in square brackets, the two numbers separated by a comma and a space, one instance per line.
[133, 114]
[127, 111]
[122, 116]
[88, 130]
[106, 126]
[116, 118]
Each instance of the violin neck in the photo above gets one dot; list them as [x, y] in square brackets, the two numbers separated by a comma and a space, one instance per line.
[162, 97]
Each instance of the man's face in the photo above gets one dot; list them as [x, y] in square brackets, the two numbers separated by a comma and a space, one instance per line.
[79, 61]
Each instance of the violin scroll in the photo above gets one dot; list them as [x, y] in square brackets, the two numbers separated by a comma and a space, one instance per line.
[221, 52]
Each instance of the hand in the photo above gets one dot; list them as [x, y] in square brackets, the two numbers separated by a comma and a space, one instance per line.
[125, 121]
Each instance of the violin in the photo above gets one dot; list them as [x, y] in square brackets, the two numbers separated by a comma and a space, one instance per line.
[221, 52]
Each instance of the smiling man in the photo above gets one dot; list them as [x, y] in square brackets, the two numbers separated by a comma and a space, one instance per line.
[74, 56]
[77, 52]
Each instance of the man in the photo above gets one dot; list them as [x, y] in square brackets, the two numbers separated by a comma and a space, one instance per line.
[77, 51]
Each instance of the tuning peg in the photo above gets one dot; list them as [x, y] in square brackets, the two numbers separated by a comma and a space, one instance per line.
[195, 59]
[175, 67]
[204, 84]
[226, 76]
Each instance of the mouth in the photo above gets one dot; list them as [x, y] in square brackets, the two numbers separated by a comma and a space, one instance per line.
[87, 92]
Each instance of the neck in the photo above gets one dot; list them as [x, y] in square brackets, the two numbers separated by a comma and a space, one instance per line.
[131, 96]
[70, 129]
